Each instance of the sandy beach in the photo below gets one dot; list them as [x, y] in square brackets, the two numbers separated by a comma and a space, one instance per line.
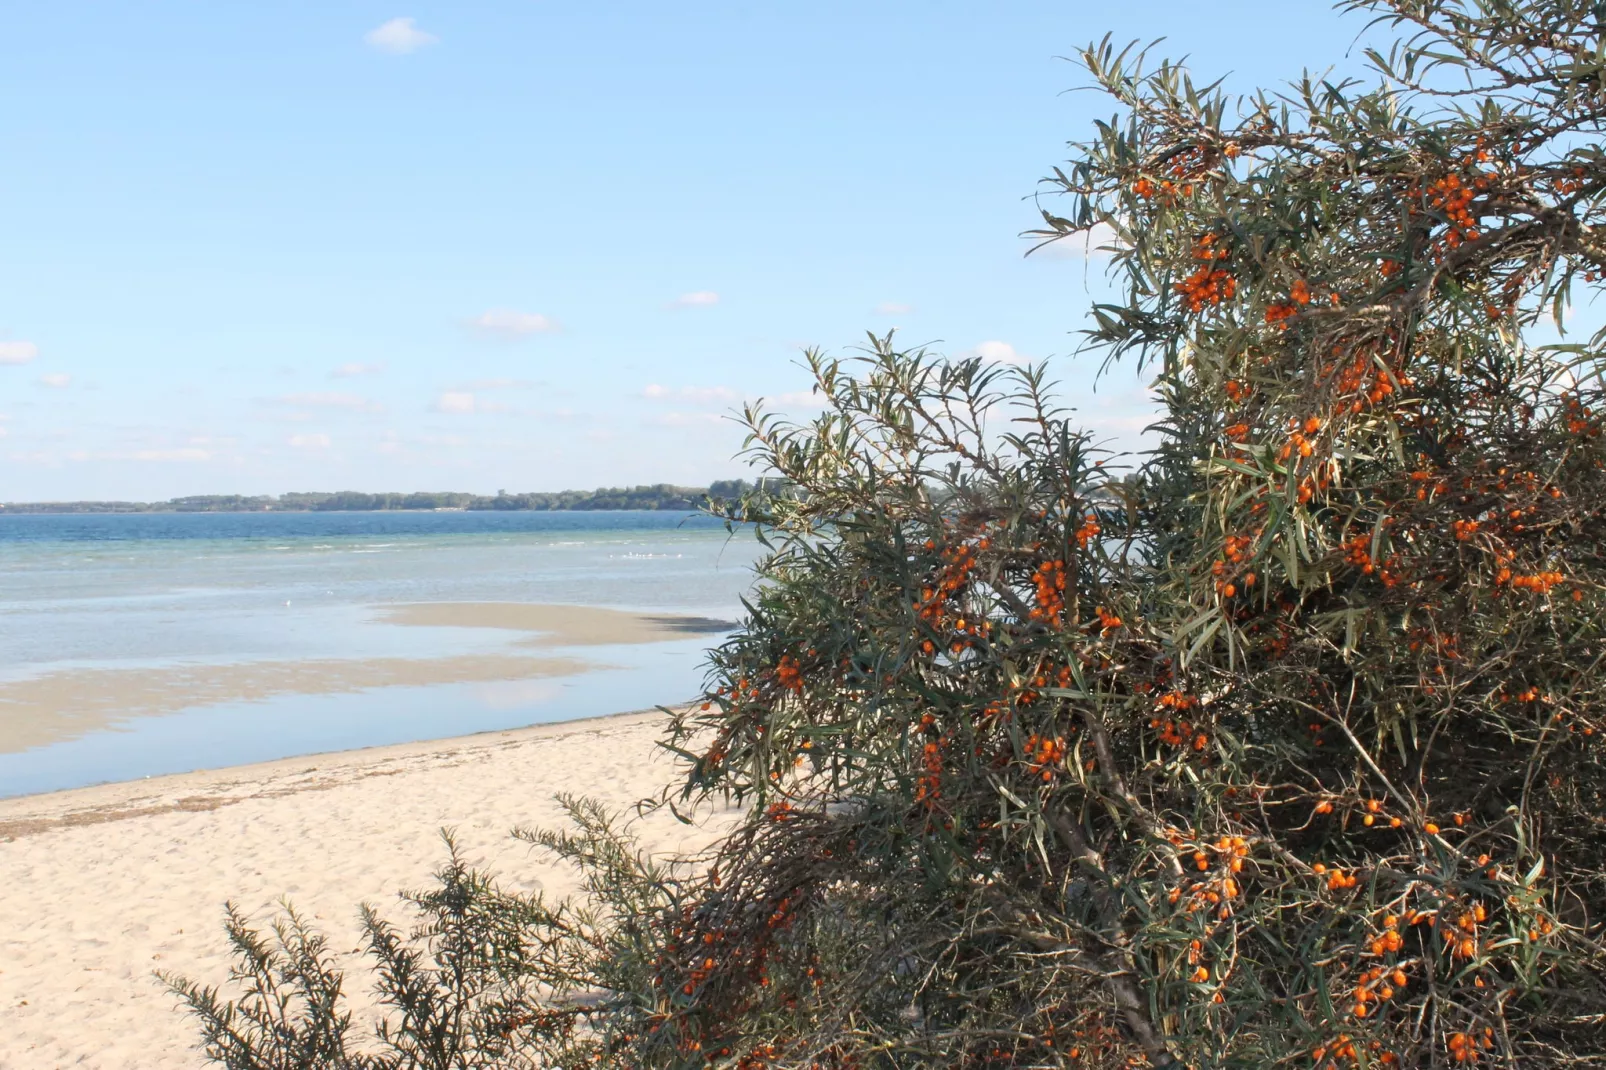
[101, 886]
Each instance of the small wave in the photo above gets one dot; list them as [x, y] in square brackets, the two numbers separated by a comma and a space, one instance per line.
[646, 557]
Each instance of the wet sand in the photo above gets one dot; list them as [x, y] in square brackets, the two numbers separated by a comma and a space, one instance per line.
[103, 885]
[556, 625]
[62, 705]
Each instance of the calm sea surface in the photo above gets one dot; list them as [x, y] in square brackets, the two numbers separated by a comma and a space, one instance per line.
[88, 593]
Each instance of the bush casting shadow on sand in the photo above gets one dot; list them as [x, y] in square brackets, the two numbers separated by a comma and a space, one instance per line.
[1281, 747]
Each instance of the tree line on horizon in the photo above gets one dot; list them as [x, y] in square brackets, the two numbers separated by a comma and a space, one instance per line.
[655, 496]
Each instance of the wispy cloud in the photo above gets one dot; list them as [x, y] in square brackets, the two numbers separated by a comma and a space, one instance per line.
[996, 352]
[17, 352]
[701, 395]
[399, 37]
[689, 419]
[455, 401]
[181, 454]
[696, 299]
[56, 380]
[351, 371]
[498, 384]
[330, 400]
[509, 323]
[893, 308]
[794, 400]
[312, 441]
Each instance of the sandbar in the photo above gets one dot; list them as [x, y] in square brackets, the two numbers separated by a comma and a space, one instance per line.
[103, 885]
[66, 704]
[556, 625]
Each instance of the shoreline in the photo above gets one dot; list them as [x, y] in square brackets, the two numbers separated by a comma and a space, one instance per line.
[94, 801]
[110, 883]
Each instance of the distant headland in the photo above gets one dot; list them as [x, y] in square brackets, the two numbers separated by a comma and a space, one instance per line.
[655, 496]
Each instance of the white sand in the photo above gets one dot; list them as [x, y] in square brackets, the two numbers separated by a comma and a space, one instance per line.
[101, 886]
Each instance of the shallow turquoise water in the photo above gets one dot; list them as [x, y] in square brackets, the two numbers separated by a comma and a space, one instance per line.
[155, 590]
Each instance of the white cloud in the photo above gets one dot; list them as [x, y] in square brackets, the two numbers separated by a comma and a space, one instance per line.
[190, 453]
[689, 419]
[701, 395]
[996, 352]
[507, 323]
[696, 299]
[1091, 244]
[315, 441]
[498, 384]
[56, 380]
[347, 371]
[455, 401]
[893, 308]
[160, 455]
[796, 399]
[331, 400]
[17, 352]
[399, 37]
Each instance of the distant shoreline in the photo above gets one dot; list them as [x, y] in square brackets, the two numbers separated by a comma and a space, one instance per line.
[654, 497]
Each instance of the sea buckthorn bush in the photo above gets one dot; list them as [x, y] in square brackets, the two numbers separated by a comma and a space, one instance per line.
[1278, 745]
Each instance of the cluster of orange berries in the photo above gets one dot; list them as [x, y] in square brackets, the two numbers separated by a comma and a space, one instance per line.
[1184, 165]
[1108, 622]
[1428, 482]
[1209, 284]
[1464, 1046]
[1234, 552]
[1376, 985]
[1365, 383]
[1569, 183]
[1581, 419]
[1539, 582]
[958, 562]
[1087, 531]
[928, 786]
[1462, 934]
[1337, 879]
[1175, 732]
[1389, 941]
[1464, 530]
[1043, 755]
[789, 674]
[1298, 442]
[1452, 196]
[1358, 551]
[1343, 1048]
[1299, 296]
[1049, 580]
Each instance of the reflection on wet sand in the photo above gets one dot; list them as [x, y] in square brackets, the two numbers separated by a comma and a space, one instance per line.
[66, 704]
[58, 706]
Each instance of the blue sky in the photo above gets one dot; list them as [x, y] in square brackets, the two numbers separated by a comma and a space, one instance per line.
[517, 244]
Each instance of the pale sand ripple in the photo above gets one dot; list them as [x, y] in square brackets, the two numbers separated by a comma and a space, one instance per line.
[62, 705]
[558, 625]
[101, 886]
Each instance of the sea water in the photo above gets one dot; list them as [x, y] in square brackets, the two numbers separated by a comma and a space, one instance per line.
[89, 592]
